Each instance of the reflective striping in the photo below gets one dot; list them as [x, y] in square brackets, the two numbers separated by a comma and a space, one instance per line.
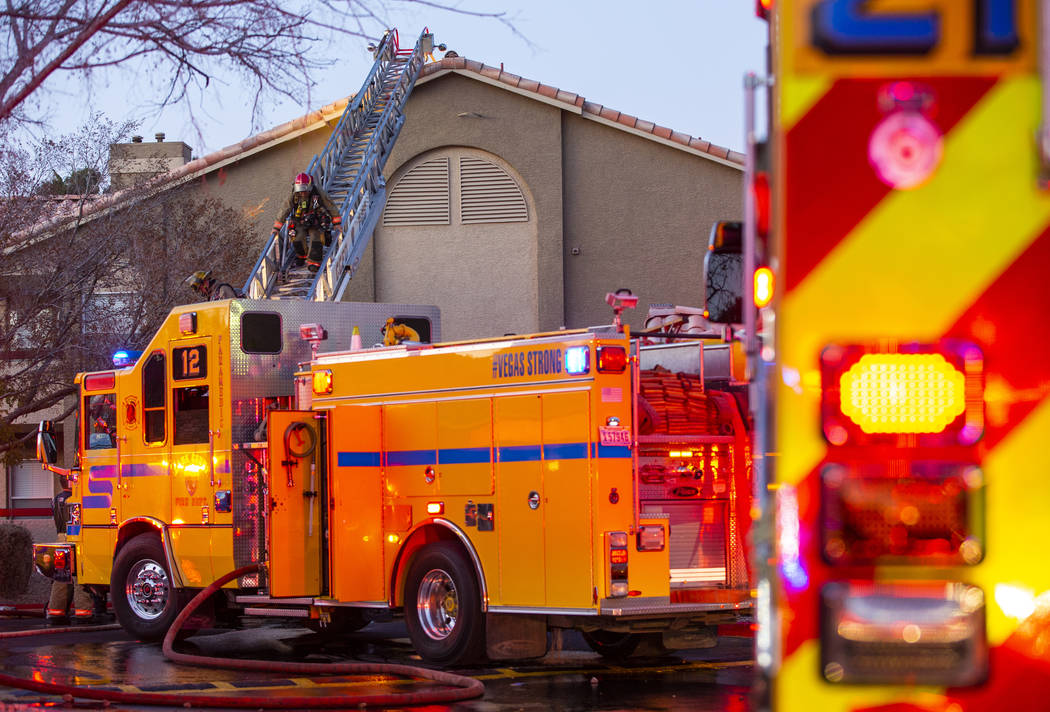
[975, 227]
[567, 451]
[464, 455]
[519, 453]
[400, 458]
[357, 459]
[477, 455]
[1017, 347]
[828, 193]
[1016, 510]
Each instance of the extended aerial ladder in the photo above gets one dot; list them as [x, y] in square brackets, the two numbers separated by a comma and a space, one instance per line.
[350, 170]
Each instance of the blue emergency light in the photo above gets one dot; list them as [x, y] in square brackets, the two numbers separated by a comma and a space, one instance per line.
[578, 360]
[125, 358]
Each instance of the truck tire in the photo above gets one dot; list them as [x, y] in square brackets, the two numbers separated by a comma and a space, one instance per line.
[443, 607]
[145, 601]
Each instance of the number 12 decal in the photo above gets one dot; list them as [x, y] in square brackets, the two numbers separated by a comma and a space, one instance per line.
[849, 27]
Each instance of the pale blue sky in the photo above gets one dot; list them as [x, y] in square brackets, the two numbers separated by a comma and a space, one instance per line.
[677, 63]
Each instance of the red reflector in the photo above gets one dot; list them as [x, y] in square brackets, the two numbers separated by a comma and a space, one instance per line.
[933, 394]
[618, 556]
[612, 359]
[930, 515]
[100, 381]
[60, 559]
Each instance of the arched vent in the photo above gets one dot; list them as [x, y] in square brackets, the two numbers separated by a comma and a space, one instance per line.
[488, 194]
[421, 196]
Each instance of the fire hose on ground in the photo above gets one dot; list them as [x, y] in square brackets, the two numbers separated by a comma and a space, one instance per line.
[460, 686]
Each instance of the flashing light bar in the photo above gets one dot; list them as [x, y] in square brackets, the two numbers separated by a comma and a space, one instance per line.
[873, 395]
[124, 358]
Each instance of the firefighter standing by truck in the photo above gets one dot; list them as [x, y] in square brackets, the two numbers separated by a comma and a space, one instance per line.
[311, 216]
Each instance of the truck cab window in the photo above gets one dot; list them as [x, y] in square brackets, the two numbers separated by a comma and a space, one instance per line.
[191, 415]
[100, 421]
[153, 391]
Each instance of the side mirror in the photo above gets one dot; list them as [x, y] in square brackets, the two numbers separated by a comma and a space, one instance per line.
[46, 449]
[724, 273]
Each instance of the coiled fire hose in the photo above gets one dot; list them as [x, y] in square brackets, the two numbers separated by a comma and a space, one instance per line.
[462, 687]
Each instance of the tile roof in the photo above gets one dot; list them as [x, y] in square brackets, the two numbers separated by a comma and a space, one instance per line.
[495, 74]
[586, 108]
[461, 65]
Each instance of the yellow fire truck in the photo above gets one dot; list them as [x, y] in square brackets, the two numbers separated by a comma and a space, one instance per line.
[901, 366]
[489, 490]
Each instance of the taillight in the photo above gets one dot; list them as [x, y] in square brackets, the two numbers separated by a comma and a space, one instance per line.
[924, 513]
[322, 382]
[61, 559]
[932, 392]
[617, 544]
[903, 633]
[612, 359]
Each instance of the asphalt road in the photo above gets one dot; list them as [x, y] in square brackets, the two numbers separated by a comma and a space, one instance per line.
[570, 677]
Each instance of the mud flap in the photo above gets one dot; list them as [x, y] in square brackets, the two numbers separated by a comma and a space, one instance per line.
[515, 637]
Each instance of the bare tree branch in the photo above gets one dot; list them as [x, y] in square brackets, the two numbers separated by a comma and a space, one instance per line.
[179, 47]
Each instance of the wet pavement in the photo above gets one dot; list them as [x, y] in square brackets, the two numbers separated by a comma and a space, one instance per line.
[570, 677]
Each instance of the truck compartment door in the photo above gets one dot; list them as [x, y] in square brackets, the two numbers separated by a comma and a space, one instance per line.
[295, 503]
[356, 516]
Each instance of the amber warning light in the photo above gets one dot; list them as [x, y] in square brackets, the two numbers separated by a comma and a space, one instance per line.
[932, 392]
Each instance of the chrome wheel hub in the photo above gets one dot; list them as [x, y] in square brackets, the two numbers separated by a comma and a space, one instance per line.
[437, 604]
[148, 589]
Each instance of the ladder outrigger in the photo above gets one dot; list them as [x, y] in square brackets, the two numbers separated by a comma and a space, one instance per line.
[350, 170]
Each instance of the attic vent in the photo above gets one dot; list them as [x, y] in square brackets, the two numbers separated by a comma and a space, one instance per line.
[421, 196]
[488, 194]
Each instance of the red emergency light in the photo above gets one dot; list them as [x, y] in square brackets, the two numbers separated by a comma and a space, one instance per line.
[923, 395]
[100, 381]
[612, 359]
[763, 8]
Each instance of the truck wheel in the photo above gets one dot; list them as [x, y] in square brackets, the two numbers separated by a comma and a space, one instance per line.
[443, 607]
[615, 646]
[144, 599]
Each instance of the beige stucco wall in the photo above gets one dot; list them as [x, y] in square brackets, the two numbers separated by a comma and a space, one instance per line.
[640, 213]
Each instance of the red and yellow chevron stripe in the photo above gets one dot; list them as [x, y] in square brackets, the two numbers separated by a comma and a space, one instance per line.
[962, 256]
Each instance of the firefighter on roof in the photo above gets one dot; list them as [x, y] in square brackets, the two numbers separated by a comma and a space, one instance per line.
[311, 216]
